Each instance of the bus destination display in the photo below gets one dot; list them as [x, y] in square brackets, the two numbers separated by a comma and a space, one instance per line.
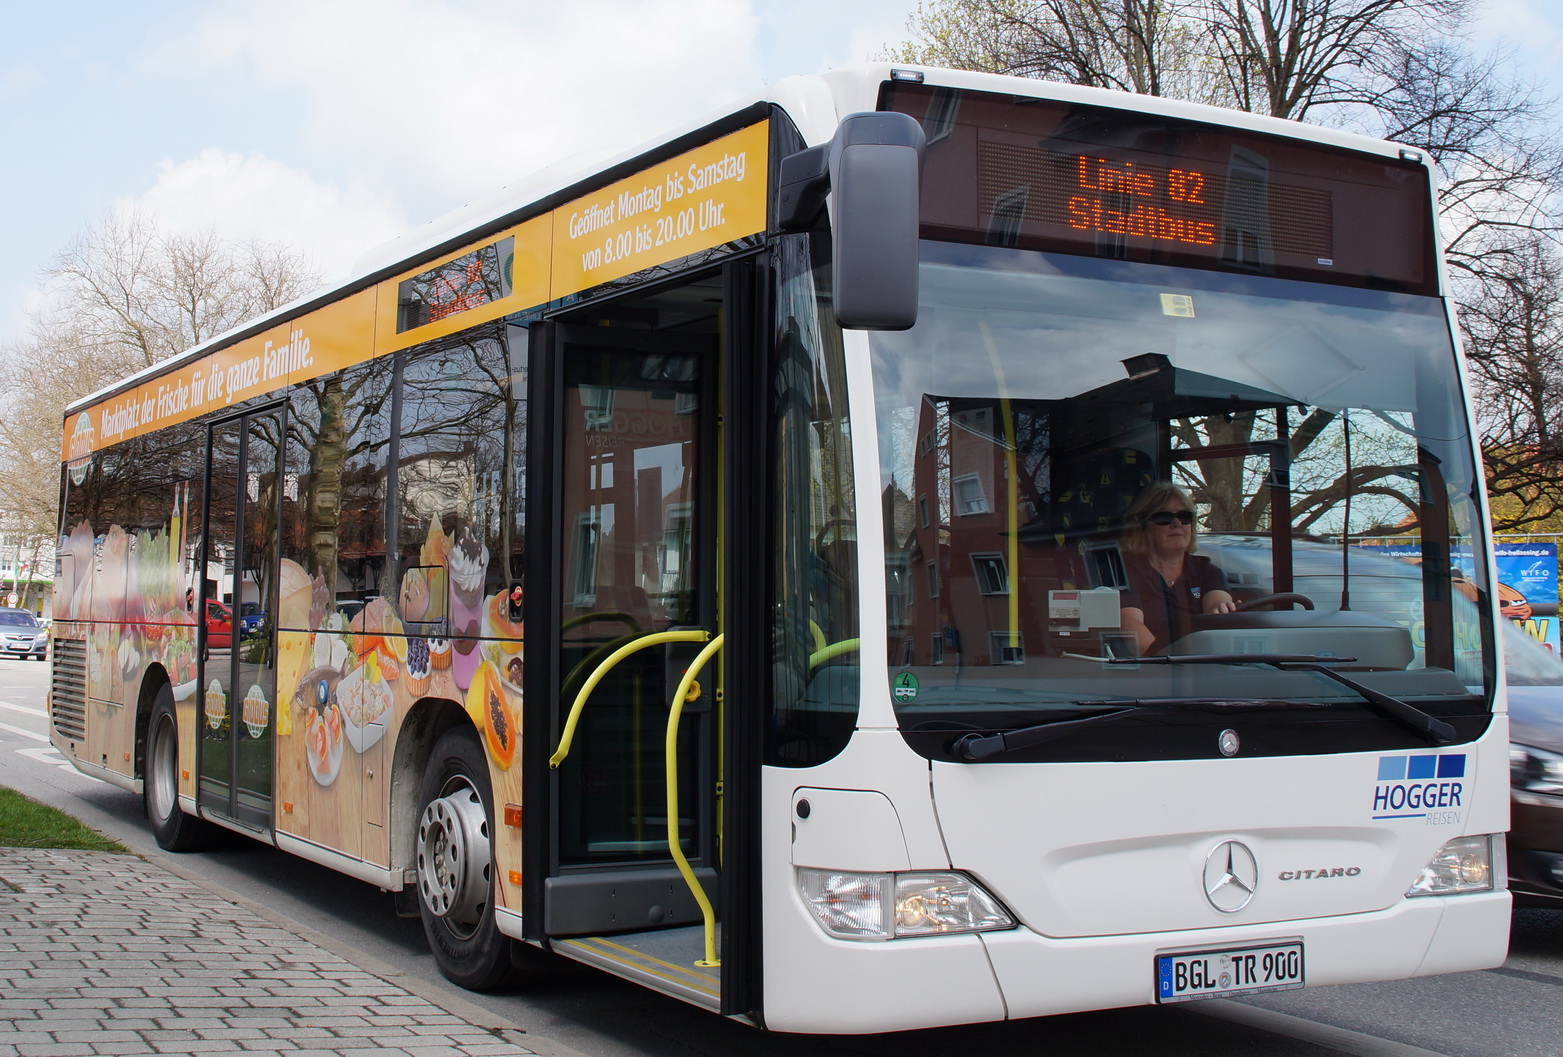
[1131, 186]
[1151, 201]
[1239, 212]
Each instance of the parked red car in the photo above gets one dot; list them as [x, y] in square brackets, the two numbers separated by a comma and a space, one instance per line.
[219, 625]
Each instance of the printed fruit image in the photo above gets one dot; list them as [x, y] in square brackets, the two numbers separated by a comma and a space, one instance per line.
[375, 627]
[503, 617]
[490, 708]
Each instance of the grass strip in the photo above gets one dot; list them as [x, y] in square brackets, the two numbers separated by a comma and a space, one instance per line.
[25, 823]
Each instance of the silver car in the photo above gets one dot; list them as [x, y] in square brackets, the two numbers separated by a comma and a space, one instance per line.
[22, 636]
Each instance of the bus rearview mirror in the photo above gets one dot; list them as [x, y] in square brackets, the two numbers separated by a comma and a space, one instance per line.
[873, 170]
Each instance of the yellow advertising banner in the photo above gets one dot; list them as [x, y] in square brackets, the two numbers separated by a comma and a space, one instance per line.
[701, 199]
[328, 339]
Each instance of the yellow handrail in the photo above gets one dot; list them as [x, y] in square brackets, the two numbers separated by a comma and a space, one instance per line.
[675, 713]
[654, 639]
[835, 649]
[816, 635]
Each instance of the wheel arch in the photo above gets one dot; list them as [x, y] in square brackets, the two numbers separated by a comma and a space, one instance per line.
[426, 722]
[153, 681]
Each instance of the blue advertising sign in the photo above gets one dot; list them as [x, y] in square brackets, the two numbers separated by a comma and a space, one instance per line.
[1528, 588]
[1527, 583]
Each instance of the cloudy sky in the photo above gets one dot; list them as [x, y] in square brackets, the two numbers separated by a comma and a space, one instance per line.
[335, 125]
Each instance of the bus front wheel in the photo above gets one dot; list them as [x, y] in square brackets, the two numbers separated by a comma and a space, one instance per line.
[455, 858]
[174, 830]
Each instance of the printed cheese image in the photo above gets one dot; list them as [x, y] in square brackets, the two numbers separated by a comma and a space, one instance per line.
[294, 646]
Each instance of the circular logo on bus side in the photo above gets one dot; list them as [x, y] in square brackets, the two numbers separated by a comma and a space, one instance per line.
[904, 688]
[81, 448]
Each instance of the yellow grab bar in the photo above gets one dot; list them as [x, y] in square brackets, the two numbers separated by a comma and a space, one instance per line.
[835, 649]
[656, 638]
[817, 635]
[675, 713]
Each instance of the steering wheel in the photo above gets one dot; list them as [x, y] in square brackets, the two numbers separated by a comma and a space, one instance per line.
[1276, 601]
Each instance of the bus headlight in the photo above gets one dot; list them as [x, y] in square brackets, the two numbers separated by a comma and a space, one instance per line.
[885, 906]
[1464, 864]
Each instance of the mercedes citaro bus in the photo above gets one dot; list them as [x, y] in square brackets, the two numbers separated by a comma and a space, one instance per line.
[711, 567]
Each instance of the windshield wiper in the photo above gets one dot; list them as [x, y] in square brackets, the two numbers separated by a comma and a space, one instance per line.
[975, 747]
[1434, 730]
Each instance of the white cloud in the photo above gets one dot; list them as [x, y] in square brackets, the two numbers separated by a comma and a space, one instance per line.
[459, 96]
[17, 80]
[357, 120]
[796, 25]
[257, 197]
[1533, 28]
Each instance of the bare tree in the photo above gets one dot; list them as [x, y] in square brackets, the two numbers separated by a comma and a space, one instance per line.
[1515, 333]
[126, 295]
[1153, 47]
[1293, 59]
[121, 297]
[1390, 68]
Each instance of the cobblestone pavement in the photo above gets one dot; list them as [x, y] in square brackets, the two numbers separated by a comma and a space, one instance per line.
[111, 954]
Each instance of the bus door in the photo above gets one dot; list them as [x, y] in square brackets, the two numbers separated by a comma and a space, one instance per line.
[625, 513]
[239, 674]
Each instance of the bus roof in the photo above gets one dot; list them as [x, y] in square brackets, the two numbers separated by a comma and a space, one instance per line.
[814, 103]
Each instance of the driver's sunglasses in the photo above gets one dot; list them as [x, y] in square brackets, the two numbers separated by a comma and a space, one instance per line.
[1167, 517]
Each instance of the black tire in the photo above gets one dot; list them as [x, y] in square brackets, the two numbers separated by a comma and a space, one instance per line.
[455, 866]
[174, 830]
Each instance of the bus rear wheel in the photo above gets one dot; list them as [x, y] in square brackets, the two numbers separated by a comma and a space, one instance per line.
[174, 830]
[455, 858]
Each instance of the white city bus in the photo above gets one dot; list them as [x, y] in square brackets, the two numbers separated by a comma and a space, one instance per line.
[806, 446]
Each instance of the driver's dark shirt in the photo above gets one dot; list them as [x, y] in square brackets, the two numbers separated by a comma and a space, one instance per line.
[1170, 608]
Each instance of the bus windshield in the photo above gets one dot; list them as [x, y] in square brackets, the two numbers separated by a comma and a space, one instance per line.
[1091, 469]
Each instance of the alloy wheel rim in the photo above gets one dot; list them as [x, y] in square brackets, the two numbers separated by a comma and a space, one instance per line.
[454, 858]
[162, 770]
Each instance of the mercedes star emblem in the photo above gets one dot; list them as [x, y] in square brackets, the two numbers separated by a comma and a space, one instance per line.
[1231, 875]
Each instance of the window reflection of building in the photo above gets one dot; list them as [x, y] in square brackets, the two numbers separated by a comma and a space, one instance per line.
[461, 448]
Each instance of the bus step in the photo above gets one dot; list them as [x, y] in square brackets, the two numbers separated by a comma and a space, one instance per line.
[663, 960]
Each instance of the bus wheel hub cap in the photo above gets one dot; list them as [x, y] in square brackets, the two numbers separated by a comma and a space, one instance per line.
[454, 856]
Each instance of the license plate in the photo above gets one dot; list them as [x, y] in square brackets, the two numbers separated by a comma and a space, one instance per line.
[1229, 973]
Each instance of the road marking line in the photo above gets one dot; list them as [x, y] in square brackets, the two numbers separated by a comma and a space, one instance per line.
[51, 756]
[40, 713]
[25, 733]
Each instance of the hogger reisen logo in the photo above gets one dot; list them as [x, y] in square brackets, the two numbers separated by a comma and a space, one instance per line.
[1426, 786]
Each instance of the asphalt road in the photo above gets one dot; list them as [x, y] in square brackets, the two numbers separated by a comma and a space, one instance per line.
[1514, 1011]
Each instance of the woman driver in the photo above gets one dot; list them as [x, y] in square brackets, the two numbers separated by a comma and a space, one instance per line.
[1168, 583]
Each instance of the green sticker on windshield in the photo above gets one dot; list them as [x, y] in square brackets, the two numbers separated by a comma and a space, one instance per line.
[904, 688]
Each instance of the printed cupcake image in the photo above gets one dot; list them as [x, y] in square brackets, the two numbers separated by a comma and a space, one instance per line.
[439, 654]
[419, 667]
[468, 569]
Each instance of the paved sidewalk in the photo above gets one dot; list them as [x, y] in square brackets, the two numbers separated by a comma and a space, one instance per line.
[111, 954]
